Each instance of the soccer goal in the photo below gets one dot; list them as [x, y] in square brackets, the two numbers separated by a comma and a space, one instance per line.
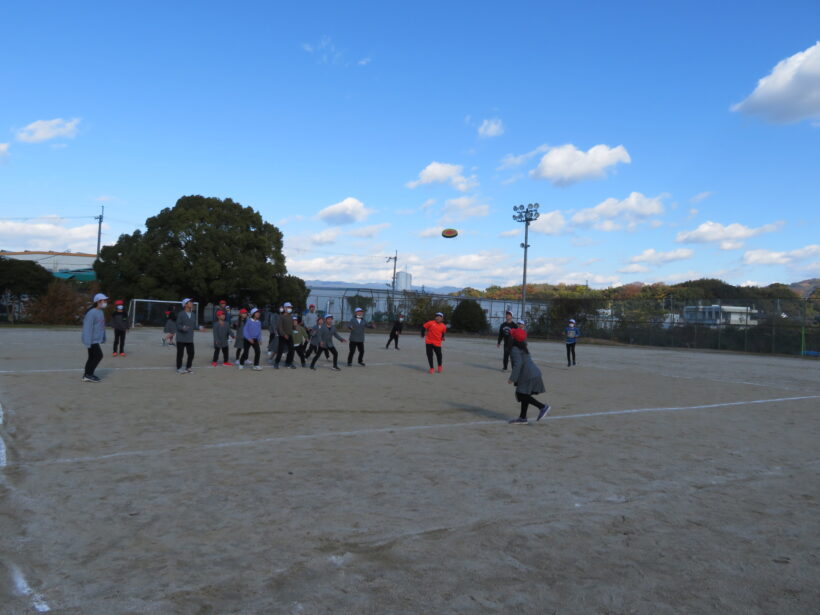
[151, 312]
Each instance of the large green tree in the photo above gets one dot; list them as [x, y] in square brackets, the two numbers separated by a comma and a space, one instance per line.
[21, 279]
[206, 248]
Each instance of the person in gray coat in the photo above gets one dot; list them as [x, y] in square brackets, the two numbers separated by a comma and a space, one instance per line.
[357, 326]
[526, 377]
[186, 325]
[93, 335]
[326, 335]
[222, 336]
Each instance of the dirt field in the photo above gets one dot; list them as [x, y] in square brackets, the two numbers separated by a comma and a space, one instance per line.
[662, 482]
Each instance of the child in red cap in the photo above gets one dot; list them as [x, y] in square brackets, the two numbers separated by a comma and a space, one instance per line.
[119, 322]
[526, 377]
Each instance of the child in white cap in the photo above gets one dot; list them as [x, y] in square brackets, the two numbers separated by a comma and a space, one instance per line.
[357, 326]
[186, 325]
[93, 335]
[571, 333]
[252, 333]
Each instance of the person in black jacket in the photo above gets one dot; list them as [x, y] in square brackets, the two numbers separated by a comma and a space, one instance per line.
[504, 335]
[395, 332]
[119, 321]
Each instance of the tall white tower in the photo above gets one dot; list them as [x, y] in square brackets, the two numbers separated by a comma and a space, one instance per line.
[403, 280]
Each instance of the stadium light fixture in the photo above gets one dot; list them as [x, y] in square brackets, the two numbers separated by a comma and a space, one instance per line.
[526, 215]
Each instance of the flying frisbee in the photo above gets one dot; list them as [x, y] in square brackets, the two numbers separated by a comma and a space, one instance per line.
[449, 233]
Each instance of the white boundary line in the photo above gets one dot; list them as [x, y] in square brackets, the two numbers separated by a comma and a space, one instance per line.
[24, 589]
[409, 428]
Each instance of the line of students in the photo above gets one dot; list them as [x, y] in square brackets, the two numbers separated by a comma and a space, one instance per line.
[293, 335]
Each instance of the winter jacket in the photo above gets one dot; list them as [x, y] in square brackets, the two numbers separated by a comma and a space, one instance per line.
[93, 328]
[357, 329]
[186, 325]
[525, 373]
[119, 321]
[222, 334]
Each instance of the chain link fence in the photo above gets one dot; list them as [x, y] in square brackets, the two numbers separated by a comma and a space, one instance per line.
[761, 325]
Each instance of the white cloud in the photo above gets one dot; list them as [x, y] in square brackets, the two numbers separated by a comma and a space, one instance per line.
[325, 237]
[633, 208]
[512, 233]
[790, 93]
[347, 211]
[105, 198]
[566, 164]
[48, 233]
[509, 161]
[730, 237]
[433, 231]
[462, 208]
[607, 226]
[442, 172]
[751, 283]
[364, 62]
[700, 196]
[4, 150]
[549, 223]
[653, 257]
[44, 130]
[493, 127]
[770, 257]
[369, 231]
[427, 204]
[634, 268]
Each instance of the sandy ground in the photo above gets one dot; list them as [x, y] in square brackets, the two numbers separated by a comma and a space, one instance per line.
[386, 490]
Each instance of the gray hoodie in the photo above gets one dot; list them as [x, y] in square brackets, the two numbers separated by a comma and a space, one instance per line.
[93, 327]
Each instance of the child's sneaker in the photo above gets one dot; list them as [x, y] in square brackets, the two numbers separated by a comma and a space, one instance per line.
[214, 363]
[114, 355]
[257, 368]
[432, 371]
[228, 364]
[240, 366]
[543, 412]
[122, 354]
[440, 369]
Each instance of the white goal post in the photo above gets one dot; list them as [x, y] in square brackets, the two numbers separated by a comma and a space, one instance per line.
[151, 312]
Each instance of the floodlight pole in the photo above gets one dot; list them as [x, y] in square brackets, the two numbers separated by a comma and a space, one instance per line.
[526, 215]
[99, 228]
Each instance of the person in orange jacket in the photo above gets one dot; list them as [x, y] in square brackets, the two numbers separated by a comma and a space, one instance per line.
[433, 337]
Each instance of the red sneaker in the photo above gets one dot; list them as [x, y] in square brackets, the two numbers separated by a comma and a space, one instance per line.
[228, 364]
[114, 355]
[440, 369]
[214, 364]
[432, 371]
[122, 354]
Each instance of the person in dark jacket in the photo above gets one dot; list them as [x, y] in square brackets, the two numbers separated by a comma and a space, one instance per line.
[93, 335]
[284, 327]
[222, 336]
[170, 329]
[327, 333]
[571, 335]
[357, 326]
[526, 377]
[395, 332]
[504, 336]
[186, 325]
[119, 322]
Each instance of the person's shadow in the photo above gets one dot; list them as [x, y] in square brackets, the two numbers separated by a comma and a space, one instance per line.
[479, 412]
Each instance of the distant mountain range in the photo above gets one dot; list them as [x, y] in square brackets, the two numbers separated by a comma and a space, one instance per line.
[806, 287]
[442, 290]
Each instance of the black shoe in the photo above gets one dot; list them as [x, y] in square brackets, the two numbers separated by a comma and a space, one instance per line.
[519, 421]
[569, 364]
[573, 362]
[275, 366]
[362, 364]
[87, 378]
[350, 364]
[313, 368]
[337, 368]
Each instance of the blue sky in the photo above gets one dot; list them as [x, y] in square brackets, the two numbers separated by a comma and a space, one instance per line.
[663, 141]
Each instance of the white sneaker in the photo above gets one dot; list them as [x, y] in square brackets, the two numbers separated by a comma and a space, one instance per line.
[182, 370]
[257, 368]
[240, 366]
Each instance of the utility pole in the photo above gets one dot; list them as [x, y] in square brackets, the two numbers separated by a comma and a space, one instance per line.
[526, 215]
[99, 228]
[395, 259]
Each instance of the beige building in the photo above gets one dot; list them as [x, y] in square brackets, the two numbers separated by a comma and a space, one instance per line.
[55, 261]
